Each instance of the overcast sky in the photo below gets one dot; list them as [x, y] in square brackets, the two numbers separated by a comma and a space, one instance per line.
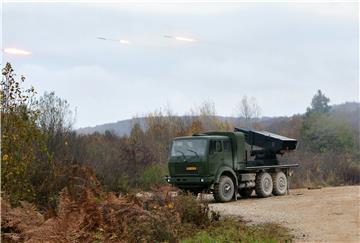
[280, 53]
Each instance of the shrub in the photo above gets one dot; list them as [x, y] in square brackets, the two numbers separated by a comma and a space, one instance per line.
[86, 213]
[191, 211]
[152, 175]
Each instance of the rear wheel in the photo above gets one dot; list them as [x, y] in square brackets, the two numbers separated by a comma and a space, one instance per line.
[224, 190]
[280, 184]
[264, 184]
[246, 192]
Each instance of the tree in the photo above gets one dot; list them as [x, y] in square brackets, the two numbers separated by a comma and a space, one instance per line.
[55, 114]
[320, 132]
[324, 133]
[249, 110]
[22, 142]
[204, 118]
[55, 120]
[319, 103]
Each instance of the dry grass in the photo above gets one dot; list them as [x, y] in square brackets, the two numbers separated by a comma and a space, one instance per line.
[87, 214]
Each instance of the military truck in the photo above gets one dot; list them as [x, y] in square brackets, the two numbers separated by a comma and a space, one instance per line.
[231, 163]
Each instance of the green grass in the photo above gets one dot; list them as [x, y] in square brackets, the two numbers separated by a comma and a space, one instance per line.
[231, 230]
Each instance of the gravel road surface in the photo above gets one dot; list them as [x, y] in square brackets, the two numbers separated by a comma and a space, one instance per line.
[329, 214]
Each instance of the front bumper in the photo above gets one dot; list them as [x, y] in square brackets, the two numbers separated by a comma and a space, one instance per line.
[190, 182]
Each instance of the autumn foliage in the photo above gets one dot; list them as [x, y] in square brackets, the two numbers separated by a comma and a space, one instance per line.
[86, 213]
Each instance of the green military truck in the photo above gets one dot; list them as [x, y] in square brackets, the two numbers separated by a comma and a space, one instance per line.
[228, 163]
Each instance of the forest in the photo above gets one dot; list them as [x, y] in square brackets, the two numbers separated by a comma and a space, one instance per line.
[41, 153]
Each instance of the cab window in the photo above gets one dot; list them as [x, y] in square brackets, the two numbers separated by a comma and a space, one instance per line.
[215, 147]
[226, 145]
[218, 146]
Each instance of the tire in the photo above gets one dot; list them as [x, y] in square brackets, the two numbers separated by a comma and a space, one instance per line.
[263, 184]
[246, 192]
[280, 184]
[224, 190]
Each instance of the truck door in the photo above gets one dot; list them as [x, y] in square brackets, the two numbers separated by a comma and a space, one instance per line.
[227, 154]
[216, 156]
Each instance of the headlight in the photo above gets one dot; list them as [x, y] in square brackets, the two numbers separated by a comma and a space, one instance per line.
[168, 179]
[201, 180]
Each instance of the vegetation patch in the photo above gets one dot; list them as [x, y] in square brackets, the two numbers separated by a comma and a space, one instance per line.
[86, 213]
[233, 230]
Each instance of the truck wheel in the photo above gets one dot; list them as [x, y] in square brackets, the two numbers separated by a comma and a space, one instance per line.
[246, 192]
[280, 184]
[264, 184]
[224, 190]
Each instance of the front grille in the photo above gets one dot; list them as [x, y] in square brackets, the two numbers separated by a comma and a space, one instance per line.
[180, 168]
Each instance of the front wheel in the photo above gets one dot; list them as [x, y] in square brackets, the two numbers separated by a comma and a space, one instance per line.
[224, 190]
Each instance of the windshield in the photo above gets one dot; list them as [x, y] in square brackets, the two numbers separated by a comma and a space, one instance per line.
[188, 147]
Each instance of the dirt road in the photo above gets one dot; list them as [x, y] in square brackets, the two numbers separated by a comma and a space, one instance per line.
[327, 215]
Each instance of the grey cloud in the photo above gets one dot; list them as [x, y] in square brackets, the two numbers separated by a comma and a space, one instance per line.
[278, 53]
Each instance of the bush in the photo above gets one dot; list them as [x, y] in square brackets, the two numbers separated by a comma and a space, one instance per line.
[86, 213]
[123, 183]
[191, 211]
[152, 175]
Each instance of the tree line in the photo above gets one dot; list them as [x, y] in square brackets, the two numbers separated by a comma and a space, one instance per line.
[39, 144]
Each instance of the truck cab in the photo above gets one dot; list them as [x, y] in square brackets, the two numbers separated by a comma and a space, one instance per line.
[225, 163]
[194, 161]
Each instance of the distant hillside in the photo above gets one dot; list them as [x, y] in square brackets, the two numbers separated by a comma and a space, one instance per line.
[124, 127]
[348, 110]
[120, 127]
